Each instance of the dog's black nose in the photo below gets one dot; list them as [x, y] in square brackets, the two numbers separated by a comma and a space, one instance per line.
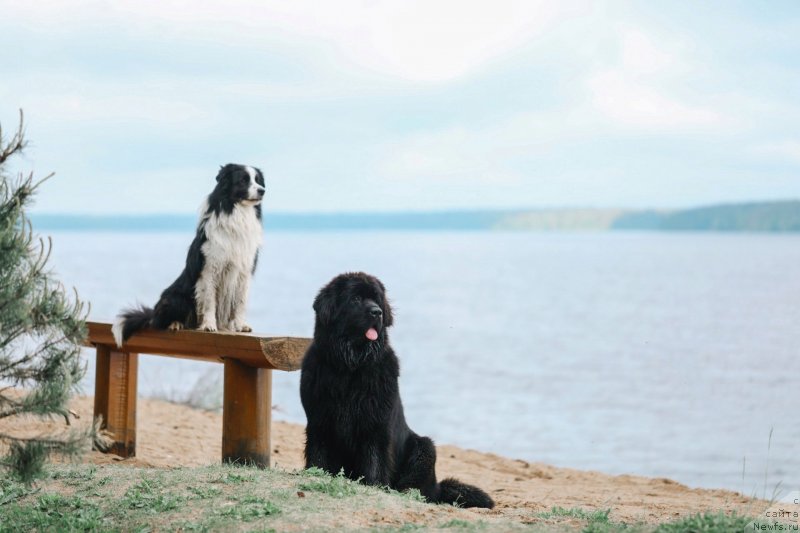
[260, 192]
[375, 311]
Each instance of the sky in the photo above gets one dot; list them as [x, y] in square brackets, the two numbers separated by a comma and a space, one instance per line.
[405, 105]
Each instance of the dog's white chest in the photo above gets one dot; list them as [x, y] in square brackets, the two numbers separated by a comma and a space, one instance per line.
[232, 240]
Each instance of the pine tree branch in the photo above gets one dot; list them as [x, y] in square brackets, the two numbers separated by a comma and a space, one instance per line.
[40, 324]
[6, 369]
[12, 412]
[13, 336]
[23, 409]
[49, 443]
[17, 143]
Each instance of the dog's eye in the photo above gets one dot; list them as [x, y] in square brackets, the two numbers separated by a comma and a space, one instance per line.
[356, 299]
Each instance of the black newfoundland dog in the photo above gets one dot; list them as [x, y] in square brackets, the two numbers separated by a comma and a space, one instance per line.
[350, 394]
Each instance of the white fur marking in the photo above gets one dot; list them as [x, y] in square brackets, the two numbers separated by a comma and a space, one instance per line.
[229, 251]
[252, 191]
[116, 330]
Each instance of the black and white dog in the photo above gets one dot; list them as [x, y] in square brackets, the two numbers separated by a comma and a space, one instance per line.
[211, 292]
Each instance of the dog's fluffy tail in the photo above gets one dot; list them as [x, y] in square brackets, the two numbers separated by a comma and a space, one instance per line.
[454, 492]
[130, 321]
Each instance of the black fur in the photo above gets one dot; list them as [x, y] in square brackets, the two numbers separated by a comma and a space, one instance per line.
[350, 394]
[177, 302]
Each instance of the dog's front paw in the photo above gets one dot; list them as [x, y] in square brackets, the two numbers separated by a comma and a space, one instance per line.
[208, 327]
[244, 328]
[175, 326]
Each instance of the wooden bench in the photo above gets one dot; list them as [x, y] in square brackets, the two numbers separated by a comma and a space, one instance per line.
[247, 397]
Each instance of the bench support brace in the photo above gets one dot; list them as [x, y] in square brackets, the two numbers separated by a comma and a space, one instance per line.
[115, 397]
[246, 414]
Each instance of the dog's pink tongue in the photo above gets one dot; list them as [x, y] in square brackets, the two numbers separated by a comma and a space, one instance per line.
[372, 334]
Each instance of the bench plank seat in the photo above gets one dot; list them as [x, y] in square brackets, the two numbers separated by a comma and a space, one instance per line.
[279, 353]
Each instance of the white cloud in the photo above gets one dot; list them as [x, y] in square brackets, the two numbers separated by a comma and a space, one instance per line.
[418, 40]
[439, 40]
[641, 55]
[482, 154]
[787, 150]
[60, 102]
[180, 190]
[634, 90]
[451, 155]
[630, 91]
[629, 101]
[147, 107]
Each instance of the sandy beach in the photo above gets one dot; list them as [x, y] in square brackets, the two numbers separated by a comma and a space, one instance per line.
[171, 435]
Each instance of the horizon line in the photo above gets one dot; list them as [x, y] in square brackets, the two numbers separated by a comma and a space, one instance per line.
[411, 211]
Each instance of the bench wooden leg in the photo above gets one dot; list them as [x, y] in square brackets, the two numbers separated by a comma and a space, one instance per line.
[115, 397]
[246, 414]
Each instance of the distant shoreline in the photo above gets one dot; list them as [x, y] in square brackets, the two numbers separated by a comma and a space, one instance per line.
[775, 217]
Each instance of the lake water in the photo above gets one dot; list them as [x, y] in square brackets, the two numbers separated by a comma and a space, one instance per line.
[659, 354]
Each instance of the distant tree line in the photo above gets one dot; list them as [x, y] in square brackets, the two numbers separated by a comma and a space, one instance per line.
[782, 216]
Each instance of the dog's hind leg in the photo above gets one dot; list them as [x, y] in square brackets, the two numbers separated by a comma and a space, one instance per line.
[418, 469]
[172, 310]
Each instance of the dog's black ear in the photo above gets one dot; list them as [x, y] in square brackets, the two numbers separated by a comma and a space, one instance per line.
[223, 169]
[325, 306]
[388, 317]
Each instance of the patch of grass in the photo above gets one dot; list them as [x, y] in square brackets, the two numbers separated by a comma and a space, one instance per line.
[463, 525]
[600, 522]
[192, 527]
[611, 527]
[595, 521]
[75, 476]
[204, 493]
[12, 490]
[338, 486]
[706, 522]
[53, 512]
[313, 472]
[250, 508]
[408, 526]
[575, 512]
[234, 478]
[413, 495]
[147, 495]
